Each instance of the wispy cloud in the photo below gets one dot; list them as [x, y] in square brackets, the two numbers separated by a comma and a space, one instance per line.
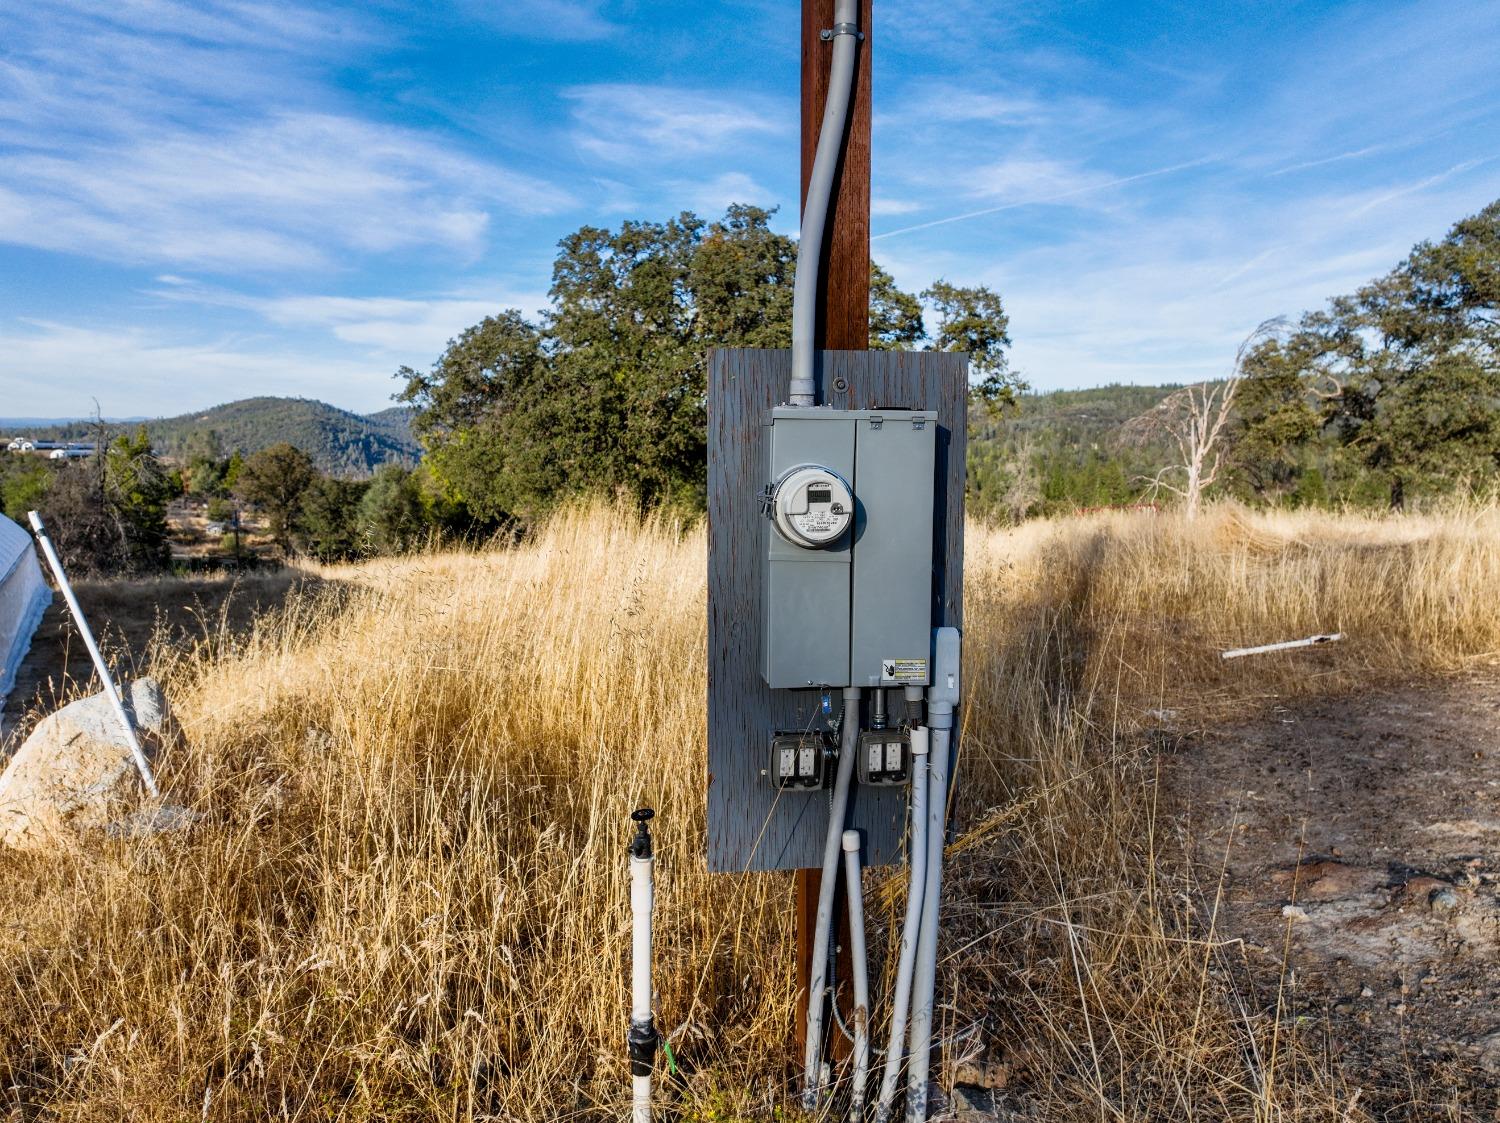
[652, 125]
[139, 371]
[291, 191]
[1050, 184]
[711, 197]
[180, 134]
[1324, 161]
[561, 20]
[883, 207]
[407, 329]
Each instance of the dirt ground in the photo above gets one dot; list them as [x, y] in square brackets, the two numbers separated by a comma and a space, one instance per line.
[1359, 839]
[128, 617]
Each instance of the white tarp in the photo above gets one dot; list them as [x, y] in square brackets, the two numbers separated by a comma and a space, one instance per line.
[24, 596]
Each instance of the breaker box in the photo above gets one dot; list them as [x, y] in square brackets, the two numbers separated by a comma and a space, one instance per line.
[822, 597]
[848, 562]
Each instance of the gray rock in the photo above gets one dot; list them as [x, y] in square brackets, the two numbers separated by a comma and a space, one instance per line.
[75, 772]
[1444, 900]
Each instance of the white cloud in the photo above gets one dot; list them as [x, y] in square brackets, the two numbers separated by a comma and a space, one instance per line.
[648, 125]
[58, 369]
[412, 330]
[191, 135]
[711, 197]
[881, 207]
[1021, 179]
[294, 190]
[561, 20]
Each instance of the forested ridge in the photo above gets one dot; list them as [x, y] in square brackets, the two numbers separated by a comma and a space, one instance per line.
[340, 442]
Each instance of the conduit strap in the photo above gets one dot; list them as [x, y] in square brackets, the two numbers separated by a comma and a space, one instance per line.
[828, 33]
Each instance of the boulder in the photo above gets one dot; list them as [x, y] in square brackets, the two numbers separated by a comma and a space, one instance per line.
[75, 772]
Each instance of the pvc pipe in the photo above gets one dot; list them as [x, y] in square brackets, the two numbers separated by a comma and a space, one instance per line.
[1310, 641]
[925, 975]
[917, 860]
[642, 1039]
[854, 887]
[925, 980]
[141, 764]
[846, 36]
[823, 929]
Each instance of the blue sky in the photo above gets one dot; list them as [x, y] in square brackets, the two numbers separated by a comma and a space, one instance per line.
[204, 201]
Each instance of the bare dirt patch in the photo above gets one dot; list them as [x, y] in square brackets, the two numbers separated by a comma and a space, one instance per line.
[1359, 842]
[134, 620]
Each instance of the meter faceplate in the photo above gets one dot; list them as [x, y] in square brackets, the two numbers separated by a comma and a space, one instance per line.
[812, 506]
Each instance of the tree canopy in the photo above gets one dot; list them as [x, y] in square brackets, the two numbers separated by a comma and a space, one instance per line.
[604, 392]
[1403, 375]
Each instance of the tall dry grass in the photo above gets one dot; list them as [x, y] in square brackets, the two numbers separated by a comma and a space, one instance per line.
[407, 896]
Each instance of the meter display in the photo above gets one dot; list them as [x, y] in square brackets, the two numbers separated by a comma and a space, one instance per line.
[812, 506]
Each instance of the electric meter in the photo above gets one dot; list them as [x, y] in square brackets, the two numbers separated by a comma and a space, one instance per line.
[812, 506]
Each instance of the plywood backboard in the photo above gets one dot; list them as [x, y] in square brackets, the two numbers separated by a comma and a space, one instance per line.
[750, 825]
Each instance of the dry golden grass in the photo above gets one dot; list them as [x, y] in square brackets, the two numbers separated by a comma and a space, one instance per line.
[407, 898]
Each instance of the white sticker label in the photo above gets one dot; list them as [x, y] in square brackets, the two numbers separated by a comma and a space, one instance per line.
[903, 670]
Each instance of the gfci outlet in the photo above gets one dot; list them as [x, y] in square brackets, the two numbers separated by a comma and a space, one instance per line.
[848, 563]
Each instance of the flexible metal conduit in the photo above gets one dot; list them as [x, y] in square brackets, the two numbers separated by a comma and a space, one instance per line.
[907, 957]
[854, 887]
[819, 191]
[822, 931]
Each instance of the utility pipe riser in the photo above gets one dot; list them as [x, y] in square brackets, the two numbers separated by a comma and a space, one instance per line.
[907, 954]
[854, 886]
[924, 985]
[640, 1099]
[822, 931]
[819, 193]
[642, 904]
[642, 1040]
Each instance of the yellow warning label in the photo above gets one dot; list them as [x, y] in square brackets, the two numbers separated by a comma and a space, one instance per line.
[903, 670]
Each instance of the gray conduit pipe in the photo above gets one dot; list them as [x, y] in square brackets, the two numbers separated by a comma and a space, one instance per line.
[854, 887]
[822, 932]
[917, 860]
[925, 980]
[942, 700]
[846, 38]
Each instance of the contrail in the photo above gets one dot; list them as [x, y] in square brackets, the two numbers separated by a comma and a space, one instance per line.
[1045, 198]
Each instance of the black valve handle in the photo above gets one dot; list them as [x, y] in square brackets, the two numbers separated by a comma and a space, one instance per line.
[640, 845]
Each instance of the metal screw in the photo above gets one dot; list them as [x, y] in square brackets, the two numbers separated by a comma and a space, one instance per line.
[841, 384]
[826, 34]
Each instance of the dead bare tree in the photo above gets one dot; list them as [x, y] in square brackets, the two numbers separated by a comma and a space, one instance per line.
[1194, 419]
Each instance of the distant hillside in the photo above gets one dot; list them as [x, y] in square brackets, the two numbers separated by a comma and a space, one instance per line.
[1061, 450]
[1085, 416]
[340, 442]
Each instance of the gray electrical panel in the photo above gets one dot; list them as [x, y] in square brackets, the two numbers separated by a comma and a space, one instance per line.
[852, 595]
[855, 609]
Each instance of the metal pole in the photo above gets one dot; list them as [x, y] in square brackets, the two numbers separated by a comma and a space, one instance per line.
[642, 1039]
[110, 692]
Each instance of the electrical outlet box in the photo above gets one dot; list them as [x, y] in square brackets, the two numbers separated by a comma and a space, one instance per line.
[798, 761]
[884, 757]
[849, 597]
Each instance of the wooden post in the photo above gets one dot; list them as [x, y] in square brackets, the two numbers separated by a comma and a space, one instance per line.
[843, 324]
[844, 294]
